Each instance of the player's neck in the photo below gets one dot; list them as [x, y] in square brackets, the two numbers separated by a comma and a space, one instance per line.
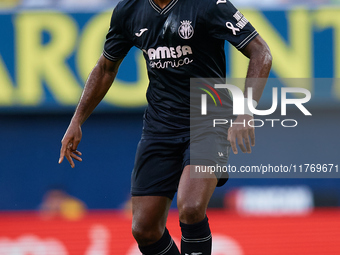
[162, 3]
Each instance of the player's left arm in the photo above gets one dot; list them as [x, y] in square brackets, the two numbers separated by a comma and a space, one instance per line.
[225, 22]
[260, 61]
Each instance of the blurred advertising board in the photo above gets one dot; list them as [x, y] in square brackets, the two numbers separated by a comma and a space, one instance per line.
[46, 56]
[104, 233]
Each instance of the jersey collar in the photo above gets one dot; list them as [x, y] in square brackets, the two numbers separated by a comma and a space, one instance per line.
[165, 9]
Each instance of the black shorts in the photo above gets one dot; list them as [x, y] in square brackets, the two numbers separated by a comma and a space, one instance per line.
[159, 162]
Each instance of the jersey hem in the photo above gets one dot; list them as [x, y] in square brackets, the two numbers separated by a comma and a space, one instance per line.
[165, 136]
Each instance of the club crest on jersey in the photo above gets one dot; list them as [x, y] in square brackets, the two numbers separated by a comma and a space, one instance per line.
[185, 30]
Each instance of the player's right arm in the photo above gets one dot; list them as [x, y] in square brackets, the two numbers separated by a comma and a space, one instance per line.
[97, 85]
[116, 47]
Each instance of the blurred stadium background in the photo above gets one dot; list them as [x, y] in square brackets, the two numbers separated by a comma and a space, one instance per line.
[47, 49]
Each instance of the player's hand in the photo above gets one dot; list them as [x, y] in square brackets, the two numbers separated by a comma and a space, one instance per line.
[240, 133]
[70, 143]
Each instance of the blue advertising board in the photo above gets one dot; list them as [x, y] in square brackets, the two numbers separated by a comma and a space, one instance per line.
[46, 56]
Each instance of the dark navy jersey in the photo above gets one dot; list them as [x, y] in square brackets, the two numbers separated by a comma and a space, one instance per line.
[181, 41]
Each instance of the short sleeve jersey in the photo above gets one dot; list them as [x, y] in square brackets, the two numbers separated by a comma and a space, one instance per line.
[183, 40]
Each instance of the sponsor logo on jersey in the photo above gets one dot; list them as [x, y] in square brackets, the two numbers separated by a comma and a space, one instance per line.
[173, 57]
[141, 31]
[185, 30]
[169, 52]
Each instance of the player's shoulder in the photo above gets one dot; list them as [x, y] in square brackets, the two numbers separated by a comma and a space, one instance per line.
[127, 5]
[212, 3]
[215, 8]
